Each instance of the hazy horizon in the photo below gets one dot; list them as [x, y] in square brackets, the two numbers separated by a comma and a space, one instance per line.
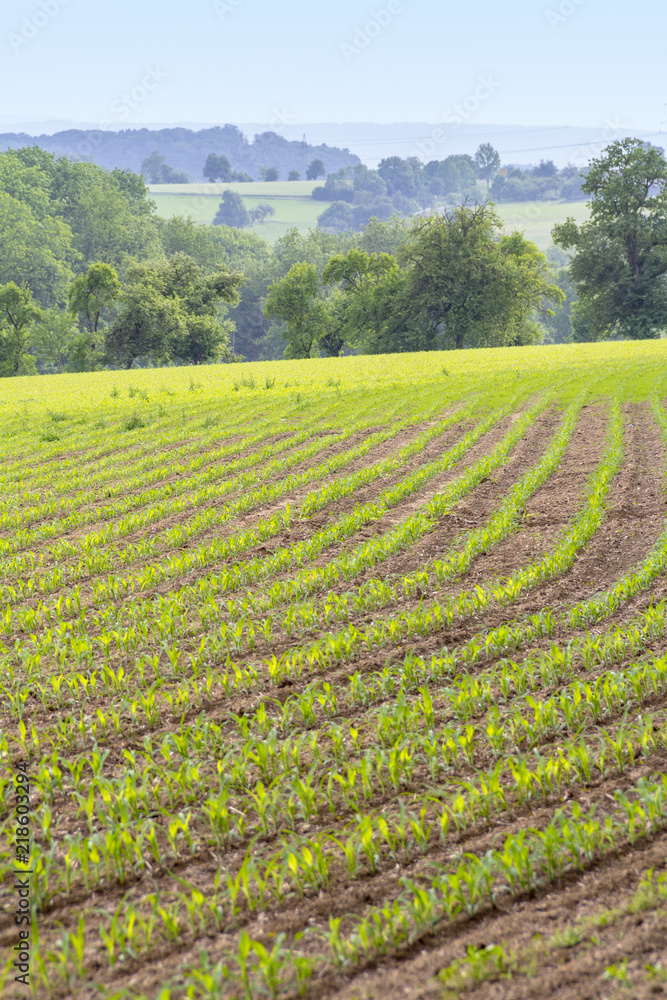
[390, 62]
[372, 141]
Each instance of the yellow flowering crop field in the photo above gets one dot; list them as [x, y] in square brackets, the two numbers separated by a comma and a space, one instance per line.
[337, 678]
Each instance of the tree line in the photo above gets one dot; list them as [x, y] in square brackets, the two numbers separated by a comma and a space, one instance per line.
[91, 277]
[454, 281]
[407, 186]
[184, 150]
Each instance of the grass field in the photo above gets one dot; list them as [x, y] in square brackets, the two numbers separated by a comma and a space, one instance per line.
[341, 678]
[291, 200]
[258, 189]
[537, 218]
[294, 207]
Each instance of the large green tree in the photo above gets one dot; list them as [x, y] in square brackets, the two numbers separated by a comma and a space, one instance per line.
[58, 344]
[620, 254]
[108, 212]
[34, 251]
[90, 297]
[374, 314]
[171, 311]
[217, 168]
[92, 293]
[469, 286]
[147, 325]
[18, 315]
[295, 300]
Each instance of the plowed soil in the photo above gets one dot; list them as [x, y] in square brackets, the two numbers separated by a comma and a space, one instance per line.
[124, 730]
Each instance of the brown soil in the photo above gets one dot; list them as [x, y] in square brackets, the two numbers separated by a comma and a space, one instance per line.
[545, 967]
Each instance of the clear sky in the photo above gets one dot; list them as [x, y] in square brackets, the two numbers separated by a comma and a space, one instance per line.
[536, 62]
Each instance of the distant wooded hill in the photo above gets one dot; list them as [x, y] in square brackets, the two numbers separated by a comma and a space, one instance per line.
[185, 149]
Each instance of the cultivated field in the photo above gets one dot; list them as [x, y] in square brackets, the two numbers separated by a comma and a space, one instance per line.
[338, 678]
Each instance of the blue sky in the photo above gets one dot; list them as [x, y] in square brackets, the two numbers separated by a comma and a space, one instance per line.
[576, 62]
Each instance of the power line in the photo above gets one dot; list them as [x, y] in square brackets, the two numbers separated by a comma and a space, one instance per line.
[383, 140]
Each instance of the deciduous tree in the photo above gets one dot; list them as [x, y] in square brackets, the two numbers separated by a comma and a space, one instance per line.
[315, 170]
[217, 168]
[169, 311]
[471, 287]
[91, 294]
[487, 161]
[18, 314]
[232, 211]
[295, 300]
[620, 254]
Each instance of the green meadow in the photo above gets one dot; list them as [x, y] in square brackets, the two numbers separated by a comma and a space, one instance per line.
[294, 207]
[537, 218]
[291, 200]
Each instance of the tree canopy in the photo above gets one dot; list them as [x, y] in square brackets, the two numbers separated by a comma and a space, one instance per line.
[18, 314]
[169, 310]
[471, 287]
[157, 171]
[315, 170]
[619, 266]
[232, 211]
[487, 161]
[295, 300]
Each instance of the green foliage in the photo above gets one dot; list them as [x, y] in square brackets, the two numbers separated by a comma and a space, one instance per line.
[18, 314]
[295, 300]
[315, 170]
[38, 252]
[454, 178]
[455, 280]
[337, 218]
[217, 168]
[470, 288]
[156, 171]
[374, 314]
[169, 311]
[260, 214]
[212, 246]
[133, 423]
[90, 295]
[620, 262]
[53, 340]
[541, 183]
[232, 211]
[487, 161]
[359, 194]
